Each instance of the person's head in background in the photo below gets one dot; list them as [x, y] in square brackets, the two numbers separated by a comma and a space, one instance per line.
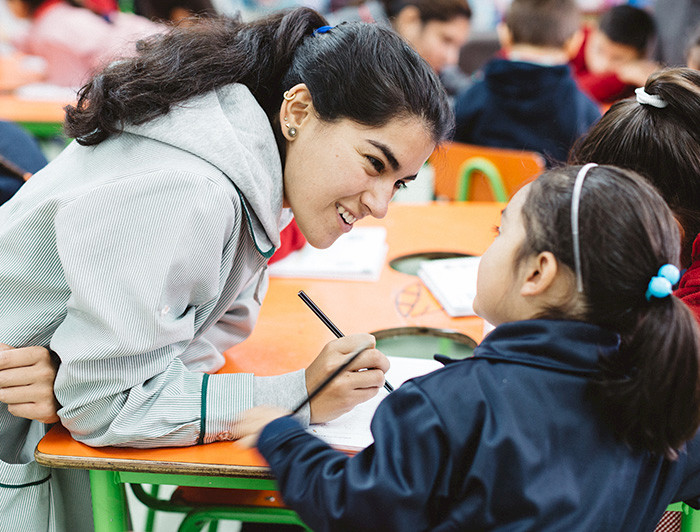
[624, 34]
[437, 29]
[545, 29]
[692, 55]
[175, 11]
[324, 93]
[659, 139]
[24, 9]
[539, 267]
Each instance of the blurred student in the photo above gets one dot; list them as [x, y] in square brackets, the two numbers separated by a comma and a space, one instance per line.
[528, 99]
[612, 60]
[437, 30]
[75, 41]
[174, 11]
[657, 134]
[579, 412]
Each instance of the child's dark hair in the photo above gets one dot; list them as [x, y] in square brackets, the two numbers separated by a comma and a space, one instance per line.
[547, 23]
[630, 26]
[441, 10]
[358, 71]
[649, 393]
[661, 144]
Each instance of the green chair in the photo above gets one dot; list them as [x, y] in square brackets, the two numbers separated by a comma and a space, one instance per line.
[489, 170]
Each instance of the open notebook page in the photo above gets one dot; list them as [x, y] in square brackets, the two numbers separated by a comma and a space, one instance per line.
[351, 431]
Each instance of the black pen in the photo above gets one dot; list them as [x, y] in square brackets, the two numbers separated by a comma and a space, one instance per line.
[306, 299]
[330, 377]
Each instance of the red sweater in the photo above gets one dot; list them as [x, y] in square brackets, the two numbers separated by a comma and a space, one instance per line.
[603, 88]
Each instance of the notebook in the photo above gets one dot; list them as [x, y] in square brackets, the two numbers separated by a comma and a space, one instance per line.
[356, 256]
[452, 282]
[350, 432]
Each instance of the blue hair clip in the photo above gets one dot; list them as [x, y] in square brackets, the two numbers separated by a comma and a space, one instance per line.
[661, 285]
[322, 29]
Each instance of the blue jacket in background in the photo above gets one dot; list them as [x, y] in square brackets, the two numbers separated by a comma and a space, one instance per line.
[20, 148]
[506, 440]
[525, 106]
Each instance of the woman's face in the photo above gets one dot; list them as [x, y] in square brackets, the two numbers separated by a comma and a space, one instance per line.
[337, 173]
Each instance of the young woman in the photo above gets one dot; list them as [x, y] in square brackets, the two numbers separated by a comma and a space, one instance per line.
[139, 253]
[578, 412]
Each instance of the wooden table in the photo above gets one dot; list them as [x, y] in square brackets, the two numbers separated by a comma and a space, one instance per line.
[287, 337]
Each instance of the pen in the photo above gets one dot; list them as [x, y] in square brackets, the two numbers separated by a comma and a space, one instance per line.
[330, 377]
[306, 299]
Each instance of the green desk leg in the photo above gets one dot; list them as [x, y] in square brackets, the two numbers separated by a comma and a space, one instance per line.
[691, 519]
[108, 502]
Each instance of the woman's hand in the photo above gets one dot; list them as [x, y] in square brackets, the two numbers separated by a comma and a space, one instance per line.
[26, 383]
[359, 382]
[254, 420]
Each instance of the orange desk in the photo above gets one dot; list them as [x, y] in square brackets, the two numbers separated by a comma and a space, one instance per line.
[287, 337]
[44, 118]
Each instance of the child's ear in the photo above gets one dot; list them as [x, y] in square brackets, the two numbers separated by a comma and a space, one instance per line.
[505, 37]
[539, 275]
[573, 44]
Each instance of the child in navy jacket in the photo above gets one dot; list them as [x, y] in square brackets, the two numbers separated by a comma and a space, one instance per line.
[528, 99]
[578, 412]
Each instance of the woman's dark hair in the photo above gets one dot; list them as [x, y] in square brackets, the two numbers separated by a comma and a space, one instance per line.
[663, 145]
[441, 10]
[630, 26]
[358, 71]
[649, 392]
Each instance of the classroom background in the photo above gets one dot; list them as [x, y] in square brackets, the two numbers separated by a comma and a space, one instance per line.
[23, 81]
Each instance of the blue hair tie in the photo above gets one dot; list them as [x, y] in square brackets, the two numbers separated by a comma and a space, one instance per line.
[322, 29]
[661, 285]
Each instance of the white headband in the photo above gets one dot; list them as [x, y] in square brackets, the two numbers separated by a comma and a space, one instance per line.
[645, 98]
[575, 200]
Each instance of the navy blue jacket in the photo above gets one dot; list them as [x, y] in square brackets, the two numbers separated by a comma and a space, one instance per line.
[524, 106]
[20, 148]
[505, 440]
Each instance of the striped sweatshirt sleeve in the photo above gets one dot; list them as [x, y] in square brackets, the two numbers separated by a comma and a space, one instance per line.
[141, 287]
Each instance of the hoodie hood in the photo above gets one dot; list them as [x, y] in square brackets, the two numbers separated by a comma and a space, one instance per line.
[228, 129]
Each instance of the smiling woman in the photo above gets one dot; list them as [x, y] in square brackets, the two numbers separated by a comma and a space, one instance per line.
[139, 254]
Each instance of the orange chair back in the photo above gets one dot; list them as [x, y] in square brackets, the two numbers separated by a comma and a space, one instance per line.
[516, 167]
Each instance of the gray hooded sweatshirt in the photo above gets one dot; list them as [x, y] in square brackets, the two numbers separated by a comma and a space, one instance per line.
[139, 261]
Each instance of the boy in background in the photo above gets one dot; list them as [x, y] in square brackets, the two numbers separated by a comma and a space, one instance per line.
[528, 99]
[612, 60]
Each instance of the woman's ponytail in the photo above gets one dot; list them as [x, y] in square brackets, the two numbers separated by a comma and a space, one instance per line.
[186, 62]
[649, 394]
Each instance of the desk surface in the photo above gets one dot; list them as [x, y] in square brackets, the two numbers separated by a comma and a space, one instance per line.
[14, 109]
[288, 336]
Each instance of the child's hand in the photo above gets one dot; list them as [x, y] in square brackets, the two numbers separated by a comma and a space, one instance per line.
[637, 72]
[359, 382]
[26, 383]
[254, 420]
